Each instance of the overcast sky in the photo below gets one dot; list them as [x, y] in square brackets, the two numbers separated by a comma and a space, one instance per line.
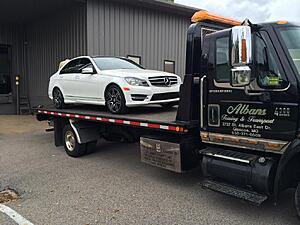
[255, 10]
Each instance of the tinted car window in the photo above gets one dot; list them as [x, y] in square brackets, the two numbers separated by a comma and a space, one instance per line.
[84, 62]
[71, 66]
[76, 65]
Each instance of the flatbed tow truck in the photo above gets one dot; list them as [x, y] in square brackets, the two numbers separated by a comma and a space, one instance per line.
[238, 114]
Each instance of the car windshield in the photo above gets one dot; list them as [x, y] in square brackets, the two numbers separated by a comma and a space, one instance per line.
[291, 38]
[110, 63]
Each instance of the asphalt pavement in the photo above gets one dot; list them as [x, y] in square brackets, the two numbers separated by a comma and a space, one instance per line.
[111, 186]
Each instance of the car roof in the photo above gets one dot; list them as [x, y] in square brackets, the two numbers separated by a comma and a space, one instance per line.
[101, 56]
[97, 56]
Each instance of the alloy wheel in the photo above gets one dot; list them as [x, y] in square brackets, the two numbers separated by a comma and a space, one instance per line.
[57, 98]
[70, 141]
[114, 100]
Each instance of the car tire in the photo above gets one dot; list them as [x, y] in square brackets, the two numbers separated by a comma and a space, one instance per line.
[297, 200]
[115, 100]
[58, 99]
[72, 147]
[168, 105]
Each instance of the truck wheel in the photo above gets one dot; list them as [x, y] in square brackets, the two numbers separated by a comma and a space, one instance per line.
[58, 99]
[115, 100]
[72, 147]
[297, 200]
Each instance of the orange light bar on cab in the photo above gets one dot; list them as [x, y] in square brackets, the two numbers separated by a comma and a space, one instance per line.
[205, 15]
[282, 22]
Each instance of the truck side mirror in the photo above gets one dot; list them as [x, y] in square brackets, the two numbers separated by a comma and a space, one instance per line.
[240, 76]
[241, 56]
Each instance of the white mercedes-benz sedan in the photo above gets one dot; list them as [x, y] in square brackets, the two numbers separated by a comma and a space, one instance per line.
[115, 82]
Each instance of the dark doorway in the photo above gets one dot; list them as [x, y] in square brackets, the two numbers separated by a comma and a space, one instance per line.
[6, 90]
[5, 73]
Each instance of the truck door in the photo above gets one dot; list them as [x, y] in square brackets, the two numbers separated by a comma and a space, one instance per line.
[253, 116]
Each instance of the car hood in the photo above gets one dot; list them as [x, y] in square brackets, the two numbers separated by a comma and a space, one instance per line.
[138, 73]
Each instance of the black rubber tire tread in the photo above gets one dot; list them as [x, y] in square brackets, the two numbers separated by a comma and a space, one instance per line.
[297, 200]
[79, 150]
[62, 100]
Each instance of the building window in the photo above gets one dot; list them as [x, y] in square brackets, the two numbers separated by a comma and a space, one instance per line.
[169, 66]
[222, 60]
[136, 59]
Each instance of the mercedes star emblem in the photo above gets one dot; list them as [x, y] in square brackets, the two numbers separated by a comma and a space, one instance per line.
[167, 81]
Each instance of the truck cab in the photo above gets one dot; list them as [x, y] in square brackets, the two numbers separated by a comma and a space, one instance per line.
[262, 104]
[245, 99]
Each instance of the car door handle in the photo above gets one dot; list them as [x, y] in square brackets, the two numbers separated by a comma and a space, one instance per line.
[77, 77]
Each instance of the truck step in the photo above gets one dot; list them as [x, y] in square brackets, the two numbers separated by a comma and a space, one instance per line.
[246, 195]
[229, 155]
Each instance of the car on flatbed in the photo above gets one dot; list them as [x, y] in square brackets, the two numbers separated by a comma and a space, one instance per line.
[115, 82]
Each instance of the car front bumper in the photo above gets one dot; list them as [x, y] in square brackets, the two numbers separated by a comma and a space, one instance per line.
[137, 96]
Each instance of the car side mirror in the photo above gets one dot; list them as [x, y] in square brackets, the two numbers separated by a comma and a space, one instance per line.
[87, 70]
[241, 56]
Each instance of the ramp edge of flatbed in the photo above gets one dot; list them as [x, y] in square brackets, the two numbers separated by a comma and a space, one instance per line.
[172, 126]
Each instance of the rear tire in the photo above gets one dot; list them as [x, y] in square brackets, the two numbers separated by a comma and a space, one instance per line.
[72, 147]
[58, 99]
[297, 200]
[115, 100]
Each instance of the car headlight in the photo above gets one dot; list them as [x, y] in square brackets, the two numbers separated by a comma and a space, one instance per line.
[136, 81]
[180, 80]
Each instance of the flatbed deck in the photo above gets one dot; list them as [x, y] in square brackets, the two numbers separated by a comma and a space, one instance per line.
[154, 117]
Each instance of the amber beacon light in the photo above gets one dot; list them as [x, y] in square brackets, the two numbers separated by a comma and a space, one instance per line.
[205, 15]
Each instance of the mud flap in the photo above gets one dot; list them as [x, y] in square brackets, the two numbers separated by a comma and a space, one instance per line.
[161, 154]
